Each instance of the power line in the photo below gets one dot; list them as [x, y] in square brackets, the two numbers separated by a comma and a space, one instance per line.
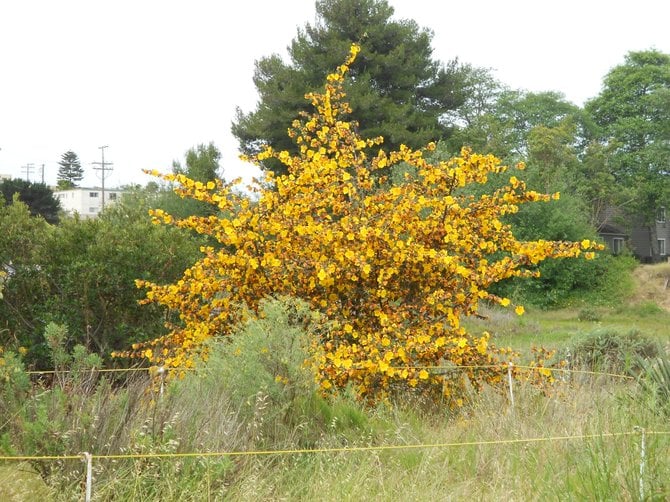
[102, 169]
[28, 168]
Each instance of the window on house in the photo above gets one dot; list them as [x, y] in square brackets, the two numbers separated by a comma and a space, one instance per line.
[112, 196]
[617, 245]
[92, 194]
[660, 215]
[661, 247]
[92, 209]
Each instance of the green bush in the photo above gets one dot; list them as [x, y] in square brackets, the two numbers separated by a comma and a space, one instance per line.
[82, 274]
[14, 385]
[605, 280]
[58, 419]
[264, 369]
[269, 354]
[611, 351]
[589, 314]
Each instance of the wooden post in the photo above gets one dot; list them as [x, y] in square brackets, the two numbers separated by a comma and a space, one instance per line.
[89, 475]
[643, 460]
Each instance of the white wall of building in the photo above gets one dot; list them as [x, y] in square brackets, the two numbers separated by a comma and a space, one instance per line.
[87, 202]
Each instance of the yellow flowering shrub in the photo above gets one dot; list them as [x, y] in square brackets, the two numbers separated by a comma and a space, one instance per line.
[394, 268]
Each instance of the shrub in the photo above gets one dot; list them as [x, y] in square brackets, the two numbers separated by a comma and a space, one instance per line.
[14, 384]
[611, 351]
[263, 375]
[606, 280]
[589, 314]
[268, 356]
[392, 268]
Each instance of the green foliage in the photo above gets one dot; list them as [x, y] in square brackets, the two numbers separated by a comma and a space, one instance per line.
[37, 196]
[77, 362]
[267, 360]
[14, 384]
[648, 309]
[93, 270]
[480, 93]
[611, 351]
[504, 126]
[70, 171]
[396, 88]
[201, 164]
[631, 117]
[82, 274]
[633, 111]
[24, 249]
[594, 183]
[655, 379]
[58, 419]
[589, 314]
[606, 279]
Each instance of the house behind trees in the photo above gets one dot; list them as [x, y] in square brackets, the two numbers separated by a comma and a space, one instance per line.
[86, 202]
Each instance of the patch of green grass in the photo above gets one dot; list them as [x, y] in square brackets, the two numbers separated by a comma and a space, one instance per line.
[556, 328]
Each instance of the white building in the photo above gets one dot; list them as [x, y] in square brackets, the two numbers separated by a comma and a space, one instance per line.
[87, 202]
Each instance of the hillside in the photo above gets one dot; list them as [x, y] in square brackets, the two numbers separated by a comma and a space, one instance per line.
[652, 284]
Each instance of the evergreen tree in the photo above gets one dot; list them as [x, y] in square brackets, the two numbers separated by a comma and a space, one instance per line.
[37, 196]
[70, 170]
[396, 88]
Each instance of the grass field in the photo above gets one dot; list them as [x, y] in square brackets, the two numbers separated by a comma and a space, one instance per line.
[647, 310]
[577, 440]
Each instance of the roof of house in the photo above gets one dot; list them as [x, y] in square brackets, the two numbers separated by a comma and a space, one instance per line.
[609, 229]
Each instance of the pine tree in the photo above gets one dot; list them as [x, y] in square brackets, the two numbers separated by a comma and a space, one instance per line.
[70, 170]
[396, 87]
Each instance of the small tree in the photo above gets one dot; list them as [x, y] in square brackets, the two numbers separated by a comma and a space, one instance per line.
[70, 171]
[201, 164]
[393, 268]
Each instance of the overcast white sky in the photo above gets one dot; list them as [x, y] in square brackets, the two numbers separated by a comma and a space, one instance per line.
[152, 78]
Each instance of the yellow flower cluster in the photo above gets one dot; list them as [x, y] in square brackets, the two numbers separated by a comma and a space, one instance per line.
[393, 268]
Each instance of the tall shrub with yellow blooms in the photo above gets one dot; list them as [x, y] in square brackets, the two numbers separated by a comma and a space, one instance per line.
[393, 268]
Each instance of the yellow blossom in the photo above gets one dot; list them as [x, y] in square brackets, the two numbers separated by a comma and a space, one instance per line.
[391, 268]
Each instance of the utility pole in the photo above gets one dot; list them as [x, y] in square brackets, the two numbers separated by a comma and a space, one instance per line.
[102, 170]
[43, 174]
[28, 168]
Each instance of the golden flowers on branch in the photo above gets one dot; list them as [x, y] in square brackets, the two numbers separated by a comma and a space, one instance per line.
[393, 268]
